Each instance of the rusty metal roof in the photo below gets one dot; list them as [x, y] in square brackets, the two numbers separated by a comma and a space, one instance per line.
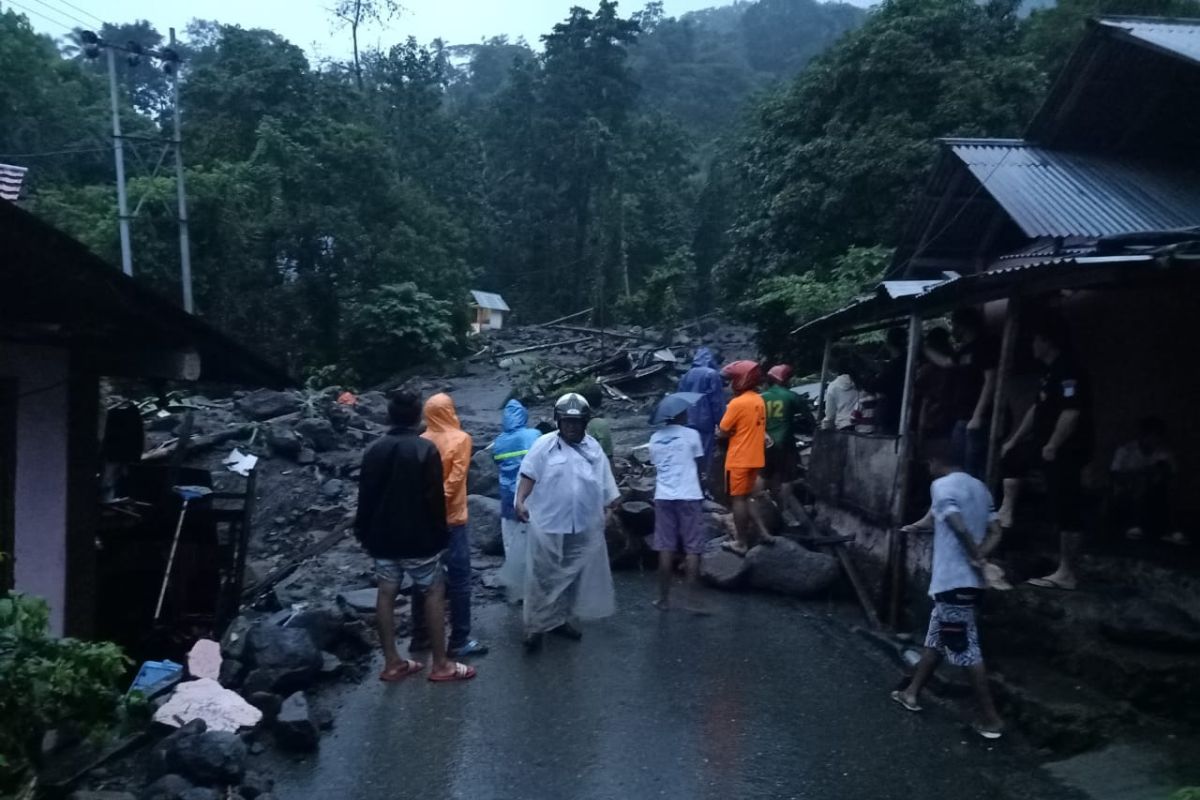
[1063, 194]
[1180, 37]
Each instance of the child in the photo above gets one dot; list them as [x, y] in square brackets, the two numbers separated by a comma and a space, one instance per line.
[678, 455]
[964, 532]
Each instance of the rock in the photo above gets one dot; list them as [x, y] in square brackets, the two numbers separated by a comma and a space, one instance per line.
[324, 625]
[202, 757]
[266, 403]
[204, 659]
[789, 568]
[483, 478]
[641, 454]
[324, 719]
[84, 794]
[268, 703]
[168, 787]
[255, 785]
[318, 432]
[360, 600]
[200, 793]
[1158, 626]
[333, 488]
[723, 569]
[220, 709]
[373, 406]
[295, 728]
[484, 513]
[641, 489]
[332, 666]
[283, 441]
[306, 456]
[284, 660]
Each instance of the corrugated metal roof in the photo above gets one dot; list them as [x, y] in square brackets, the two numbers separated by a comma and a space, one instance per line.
[11, 178]
[1180, 37]
[1058, 193]
[490, 301]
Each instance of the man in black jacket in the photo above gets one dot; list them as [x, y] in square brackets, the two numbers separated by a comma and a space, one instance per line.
[401, 522]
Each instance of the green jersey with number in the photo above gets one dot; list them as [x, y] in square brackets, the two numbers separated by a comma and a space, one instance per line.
[782, 407]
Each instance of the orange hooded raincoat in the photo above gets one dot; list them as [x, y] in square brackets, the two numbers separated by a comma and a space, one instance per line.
[454, 444]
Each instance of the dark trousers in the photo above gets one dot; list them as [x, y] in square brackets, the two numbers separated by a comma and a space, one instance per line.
[457, 560]
[1143, 500]
[971, 448]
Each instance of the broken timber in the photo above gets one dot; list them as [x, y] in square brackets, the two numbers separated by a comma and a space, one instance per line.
[598, 332]
[546, 346]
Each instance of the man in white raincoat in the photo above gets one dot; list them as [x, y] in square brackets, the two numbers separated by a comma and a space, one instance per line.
[566, 485]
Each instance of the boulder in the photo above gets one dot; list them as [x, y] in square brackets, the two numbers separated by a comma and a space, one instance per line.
[204, 659]
[723, 569]
[202, 757]
[306, 456]
[255, 785]
[1158, 626]
[266, 403]
[200, 793]
[789, 568]
[283, 660]
[283, 441]
[483, 478]
[325, 625]
[318, 432]
[484, 513]
[266, 702]
[373, 406]
[295, 728]
[168, 787]
[232, 673]
[332, 489]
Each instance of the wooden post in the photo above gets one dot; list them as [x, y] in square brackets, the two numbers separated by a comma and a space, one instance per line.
[1008, 353]
[825, 365]
[898, 549]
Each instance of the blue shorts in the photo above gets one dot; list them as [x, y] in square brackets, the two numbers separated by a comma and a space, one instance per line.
[426, 573]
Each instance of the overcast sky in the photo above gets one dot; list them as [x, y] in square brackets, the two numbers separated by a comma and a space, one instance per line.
[308, 22]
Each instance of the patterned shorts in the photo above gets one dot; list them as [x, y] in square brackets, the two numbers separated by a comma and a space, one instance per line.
[954, 633]
[425, 572]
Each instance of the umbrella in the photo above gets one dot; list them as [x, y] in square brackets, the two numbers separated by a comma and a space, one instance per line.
[673, 405]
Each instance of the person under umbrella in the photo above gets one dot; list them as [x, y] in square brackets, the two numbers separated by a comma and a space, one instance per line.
[566, 485]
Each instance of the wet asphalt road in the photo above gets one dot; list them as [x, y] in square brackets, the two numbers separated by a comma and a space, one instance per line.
[767, 699]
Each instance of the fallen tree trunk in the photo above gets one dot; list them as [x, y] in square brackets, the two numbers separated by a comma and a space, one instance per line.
[547, 346]
[554, 322]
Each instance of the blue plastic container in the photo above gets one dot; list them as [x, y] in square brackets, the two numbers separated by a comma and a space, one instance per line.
[155, 676]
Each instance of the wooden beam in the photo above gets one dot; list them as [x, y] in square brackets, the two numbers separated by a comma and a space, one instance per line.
[567, 318]
[826, 357]
[904, 457]
[1008, 354]
[597, 332]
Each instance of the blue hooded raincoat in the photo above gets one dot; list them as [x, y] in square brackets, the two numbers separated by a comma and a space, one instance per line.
[705, 378]
[509, 450]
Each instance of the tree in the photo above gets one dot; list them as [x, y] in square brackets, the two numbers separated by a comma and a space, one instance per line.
[356, 13]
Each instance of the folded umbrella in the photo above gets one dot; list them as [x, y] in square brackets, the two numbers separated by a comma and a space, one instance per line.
[673, 405]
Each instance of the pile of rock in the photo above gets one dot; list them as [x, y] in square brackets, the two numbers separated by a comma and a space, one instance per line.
[194, 763]
[785, 567]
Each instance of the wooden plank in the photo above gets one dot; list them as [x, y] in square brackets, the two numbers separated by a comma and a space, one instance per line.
[564, 319]
[598, 332]
[1008, 355]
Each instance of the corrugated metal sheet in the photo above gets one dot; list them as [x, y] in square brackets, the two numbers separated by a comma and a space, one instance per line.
[489, 300]
[1057, 193]
[1178, 36]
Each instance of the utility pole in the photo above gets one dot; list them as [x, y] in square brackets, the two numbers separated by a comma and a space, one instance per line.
[185, 250]
[119, 156]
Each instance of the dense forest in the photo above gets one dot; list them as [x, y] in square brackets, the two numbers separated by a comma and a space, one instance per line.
[756, 158]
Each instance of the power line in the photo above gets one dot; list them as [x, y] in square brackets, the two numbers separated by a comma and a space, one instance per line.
[66, 14]
[41, 16]
[83, 11]
[44, 153]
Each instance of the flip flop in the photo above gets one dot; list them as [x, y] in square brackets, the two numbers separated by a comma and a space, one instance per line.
[471, 648]
[1048, 583]
[986, 733]
[461, 672]
[733, 548]
[898, 696]
[400, 671]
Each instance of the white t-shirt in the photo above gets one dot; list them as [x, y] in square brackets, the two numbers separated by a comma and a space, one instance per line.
[1131, 458]
[958, 493]
[573, 484]
[673, 452]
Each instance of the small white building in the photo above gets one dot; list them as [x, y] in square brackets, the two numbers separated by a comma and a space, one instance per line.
[489, 311]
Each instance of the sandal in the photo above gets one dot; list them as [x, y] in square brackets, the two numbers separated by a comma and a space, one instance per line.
[461, 672]
[991, 734]
[471, 648]
[899, 697]
[400, 671]
[1049, 583]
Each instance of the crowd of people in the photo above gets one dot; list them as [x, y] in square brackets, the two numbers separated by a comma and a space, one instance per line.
[557, 490]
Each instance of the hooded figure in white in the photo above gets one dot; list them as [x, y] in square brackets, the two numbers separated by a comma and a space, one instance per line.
[566, 485]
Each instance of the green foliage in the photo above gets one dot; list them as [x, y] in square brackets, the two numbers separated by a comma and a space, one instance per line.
[662, 293]
[396, 326]
[783, 302]
[47, 682]
[1187, 793]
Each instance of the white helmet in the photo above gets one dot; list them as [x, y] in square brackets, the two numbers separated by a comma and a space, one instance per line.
[572, 406]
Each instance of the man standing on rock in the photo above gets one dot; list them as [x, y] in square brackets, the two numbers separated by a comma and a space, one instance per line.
[509, 450]
[964, 532]
[454, 445]
[744, 426]
[401, 522]
[566, 485]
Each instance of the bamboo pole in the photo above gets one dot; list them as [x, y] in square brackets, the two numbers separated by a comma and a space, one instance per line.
[1008, 353]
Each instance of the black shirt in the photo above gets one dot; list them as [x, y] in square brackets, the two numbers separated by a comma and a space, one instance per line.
[401, 503]
[1064, 388]
[971, 361]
